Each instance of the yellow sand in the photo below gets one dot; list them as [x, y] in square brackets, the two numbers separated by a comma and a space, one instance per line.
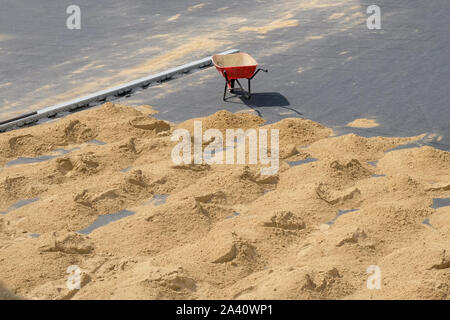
[363, 123]
[194, 246]
[173, 18]
[284, 22]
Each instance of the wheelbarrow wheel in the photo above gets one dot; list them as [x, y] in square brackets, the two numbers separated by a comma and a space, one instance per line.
[232, 86]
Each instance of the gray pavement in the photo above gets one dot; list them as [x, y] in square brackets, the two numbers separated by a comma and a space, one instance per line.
[328, 68]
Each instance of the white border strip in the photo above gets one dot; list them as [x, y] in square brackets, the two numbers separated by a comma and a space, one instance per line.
[99, 96]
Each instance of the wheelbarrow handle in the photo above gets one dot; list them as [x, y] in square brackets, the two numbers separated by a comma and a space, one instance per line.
[259, 69]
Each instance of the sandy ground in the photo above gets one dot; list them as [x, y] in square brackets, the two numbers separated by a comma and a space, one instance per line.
[218, 231]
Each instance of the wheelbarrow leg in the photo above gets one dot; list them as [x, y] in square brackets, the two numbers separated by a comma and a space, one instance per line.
[249, 89]
[225, 91]
[231, 82]
[226, 85]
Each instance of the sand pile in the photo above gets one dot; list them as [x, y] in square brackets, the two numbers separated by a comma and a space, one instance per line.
[363, 123]
[223, 120]
[98, 189]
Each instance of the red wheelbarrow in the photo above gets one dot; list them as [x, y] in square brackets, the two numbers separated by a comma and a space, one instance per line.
[236, 66]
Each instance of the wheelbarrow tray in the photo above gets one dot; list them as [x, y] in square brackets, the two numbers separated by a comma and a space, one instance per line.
[237, 65]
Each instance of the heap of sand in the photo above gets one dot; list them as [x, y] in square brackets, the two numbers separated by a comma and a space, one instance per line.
[224, 231]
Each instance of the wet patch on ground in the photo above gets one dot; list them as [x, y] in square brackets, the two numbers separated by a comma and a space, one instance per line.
[440, 202]
[103, 220]
[300, 162]
[340, 213]
[235, 214]
[43, 158]
[19, 204]
[427, 222]
[96, 142]
[25, 160]
[158, 199]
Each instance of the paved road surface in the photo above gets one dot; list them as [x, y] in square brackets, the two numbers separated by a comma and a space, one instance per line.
[324, 64]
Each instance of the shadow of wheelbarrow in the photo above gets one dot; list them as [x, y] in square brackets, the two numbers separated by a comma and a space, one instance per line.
[267, 100]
